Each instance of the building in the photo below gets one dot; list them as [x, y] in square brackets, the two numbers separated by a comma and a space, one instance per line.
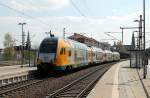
[128, 47]
[90, 41]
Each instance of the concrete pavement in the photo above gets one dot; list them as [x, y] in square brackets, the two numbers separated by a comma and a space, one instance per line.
[15, 73]
[120, 81]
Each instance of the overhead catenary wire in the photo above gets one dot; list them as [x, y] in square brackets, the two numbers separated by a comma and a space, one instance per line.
[88, 9]
[111, 36]
[22, 13]
[36, 19]
[31, 17]
[76, 7]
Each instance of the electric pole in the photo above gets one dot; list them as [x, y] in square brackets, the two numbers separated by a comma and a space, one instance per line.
[28, 46]
[64, 32]
[144, 22]
[145, 66]
[50, 33]
[122, 34]
[122, 28]
[108, 34]
[23, 41]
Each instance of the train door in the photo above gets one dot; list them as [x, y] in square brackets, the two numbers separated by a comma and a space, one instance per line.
[75, 56]
[70, 56]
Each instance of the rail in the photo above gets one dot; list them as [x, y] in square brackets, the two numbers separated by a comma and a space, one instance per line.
[5, 90]
[80, 87]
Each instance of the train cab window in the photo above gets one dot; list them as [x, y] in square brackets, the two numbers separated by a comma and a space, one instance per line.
[69, 52]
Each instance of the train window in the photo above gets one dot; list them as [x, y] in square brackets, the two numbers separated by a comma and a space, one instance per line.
[64, 50]
[48, 48]
[69, 52]
[61, 50]
[93, 54]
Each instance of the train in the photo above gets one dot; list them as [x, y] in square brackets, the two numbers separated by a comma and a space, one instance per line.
[58, 54]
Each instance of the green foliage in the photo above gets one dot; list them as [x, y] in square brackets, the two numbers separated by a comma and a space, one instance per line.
[120, 47]
[29, 54]
[9, 51]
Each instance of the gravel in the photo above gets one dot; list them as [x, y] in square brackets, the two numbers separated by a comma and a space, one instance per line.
[50, 84]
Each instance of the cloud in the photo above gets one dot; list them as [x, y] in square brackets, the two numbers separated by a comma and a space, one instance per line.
[38, 5]
[95, 26]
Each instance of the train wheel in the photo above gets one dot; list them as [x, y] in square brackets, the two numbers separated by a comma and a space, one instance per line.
[68, 68]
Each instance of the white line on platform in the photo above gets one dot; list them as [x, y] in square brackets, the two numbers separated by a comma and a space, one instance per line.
[115, 92]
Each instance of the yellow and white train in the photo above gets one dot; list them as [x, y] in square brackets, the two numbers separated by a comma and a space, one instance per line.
[56, 54]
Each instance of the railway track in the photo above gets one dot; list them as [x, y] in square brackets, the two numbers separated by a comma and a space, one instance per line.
[40, 88]
[9, 89]
[80, 87]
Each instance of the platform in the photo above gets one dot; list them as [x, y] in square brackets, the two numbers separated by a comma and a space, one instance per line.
[15, 73]
[120, 81]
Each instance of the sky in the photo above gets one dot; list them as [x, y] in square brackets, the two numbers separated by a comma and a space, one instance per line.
[89, 17]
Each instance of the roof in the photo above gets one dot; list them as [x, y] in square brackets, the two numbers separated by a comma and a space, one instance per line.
[98, 49]
[78, 44]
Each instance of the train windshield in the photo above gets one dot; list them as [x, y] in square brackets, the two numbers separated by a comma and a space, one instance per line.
[48, 47]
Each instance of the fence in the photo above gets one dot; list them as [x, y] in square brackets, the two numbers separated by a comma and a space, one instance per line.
[29, 57]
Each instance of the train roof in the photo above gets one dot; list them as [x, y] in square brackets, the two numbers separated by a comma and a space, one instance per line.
[115, 52]
[75, 44]
[78, 44]
[107, 51]
[50, 39]
[97, 49]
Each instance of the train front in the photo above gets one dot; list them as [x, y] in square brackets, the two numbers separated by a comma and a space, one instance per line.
[47, 54]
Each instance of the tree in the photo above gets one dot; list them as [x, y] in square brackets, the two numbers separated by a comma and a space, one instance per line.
[9, 43]
[120, 46]
[28, 43]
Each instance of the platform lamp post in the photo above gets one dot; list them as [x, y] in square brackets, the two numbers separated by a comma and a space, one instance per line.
[23, 42]
[145, 69]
